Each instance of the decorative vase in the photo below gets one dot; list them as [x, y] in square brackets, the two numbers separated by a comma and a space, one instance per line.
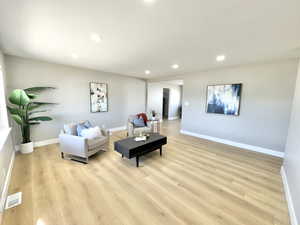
[26, 148]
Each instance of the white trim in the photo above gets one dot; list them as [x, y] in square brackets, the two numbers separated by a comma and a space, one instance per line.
[45, 142]
[173, 118]
[56, 140]
[117, 129]
[236, 144]
[4, 132]
[7, 181]
[288, 196]
[40, 143]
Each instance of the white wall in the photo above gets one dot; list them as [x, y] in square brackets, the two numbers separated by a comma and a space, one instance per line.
[155, 98]
[292, 153]
[126, 95]
[6, 147]
[266, 102]
[3, 111]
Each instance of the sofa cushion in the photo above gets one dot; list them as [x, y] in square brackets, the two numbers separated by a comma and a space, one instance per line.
[91, 133]
[139, 130]
[71, 129]
[96, 142]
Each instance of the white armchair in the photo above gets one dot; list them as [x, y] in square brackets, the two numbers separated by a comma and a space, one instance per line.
[74, 145]
[134, 131]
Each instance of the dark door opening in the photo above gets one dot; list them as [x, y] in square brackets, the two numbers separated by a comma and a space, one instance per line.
[165, 106]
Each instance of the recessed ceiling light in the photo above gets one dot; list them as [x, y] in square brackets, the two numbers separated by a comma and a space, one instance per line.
[220, 58]
[175, 66]
[147, 72]
[74, 56]
[95, 37]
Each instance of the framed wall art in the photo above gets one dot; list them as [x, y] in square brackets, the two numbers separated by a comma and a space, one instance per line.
[98, 97]
[224, 99]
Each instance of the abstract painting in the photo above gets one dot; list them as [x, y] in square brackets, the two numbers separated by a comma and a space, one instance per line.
[98, 97]
[224, 99]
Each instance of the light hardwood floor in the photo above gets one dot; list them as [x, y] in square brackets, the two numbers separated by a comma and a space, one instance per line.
[195, 182]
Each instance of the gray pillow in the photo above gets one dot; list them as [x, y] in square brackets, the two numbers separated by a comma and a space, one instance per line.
[87, 124]
[139, 122]
[132, 118]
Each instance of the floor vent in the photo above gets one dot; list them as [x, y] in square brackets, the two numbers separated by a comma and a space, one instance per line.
[13, 200]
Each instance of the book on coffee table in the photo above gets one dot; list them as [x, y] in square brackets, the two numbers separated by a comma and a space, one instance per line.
[142, 138]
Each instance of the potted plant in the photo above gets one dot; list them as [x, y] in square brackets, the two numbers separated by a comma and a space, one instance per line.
[23, 110]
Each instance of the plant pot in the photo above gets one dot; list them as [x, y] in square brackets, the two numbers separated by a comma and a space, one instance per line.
[26, 148]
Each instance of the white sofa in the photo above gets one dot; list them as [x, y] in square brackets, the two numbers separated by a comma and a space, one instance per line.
[81, 147]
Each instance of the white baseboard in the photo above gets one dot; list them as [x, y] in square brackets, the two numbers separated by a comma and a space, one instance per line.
[56, 140]
[117, 129]
[45, 142]
[236, 144]
[173, 118]
[7, 182]
[288, 196]
[40, 143]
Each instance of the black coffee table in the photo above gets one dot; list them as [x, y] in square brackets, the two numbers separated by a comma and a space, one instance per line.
[130, 148]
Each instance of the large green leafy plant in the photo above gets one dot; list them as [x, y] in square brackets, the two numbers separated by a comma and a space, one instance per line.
[24, 107]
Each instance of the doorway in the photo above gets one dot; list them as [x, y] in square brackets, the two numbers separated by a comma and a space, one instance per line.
[166, 100]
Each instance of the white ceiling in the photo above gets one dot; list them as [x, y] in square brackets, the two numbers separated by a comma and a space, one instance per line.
[153, 36]
[173, 82]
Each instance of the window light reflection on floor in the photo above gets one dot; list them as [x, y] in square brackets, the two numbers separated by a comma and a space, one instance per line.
[40, 222]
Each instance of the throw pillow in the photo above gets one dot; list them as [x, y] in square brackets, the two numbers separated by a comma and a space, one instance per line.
[132, 117]
[144, 116]
[87, 124]
[80, 128]
[71, 129]
[139, 122]
[91, 133]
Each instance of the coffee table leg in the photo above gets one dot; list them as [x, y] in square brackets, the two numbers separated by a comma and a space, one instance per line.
[137, 161]
[122, 155]
[160, 150]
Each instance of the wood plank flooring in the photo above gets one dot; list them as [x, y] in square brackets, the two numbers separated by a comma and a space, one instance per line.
[195, 182]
